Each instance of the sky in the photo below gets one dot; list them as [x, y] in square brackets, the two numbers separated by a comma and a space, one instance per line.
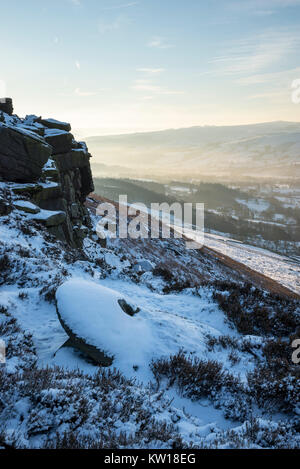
[122, 66]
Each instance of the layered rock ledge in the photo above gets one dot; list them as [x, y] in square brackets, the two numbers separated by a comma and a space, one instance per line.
[49, 167]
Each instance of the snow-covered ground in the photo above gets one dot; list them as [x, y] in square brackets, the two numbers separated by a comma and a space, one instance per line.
[172, 322]
[167, 323]
[164, 325]
[284, 270]
[256, 205]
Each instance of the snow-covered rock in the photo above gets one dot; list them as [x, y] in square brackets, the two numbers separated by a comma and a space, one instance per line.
[97, 324]
[143, 266]
[26, 206]
[22, 154]
[53, 169]
[55, 124]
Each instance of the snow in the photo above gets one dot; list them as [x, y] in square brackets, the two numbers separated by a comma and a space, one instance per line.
[164, 325]
[50, 164]
[180, 189]
[256, 205]
[25, 132]
[54, 121]
[48, 184]
[284, 270]
[30, 119]
[44, 215]
[26, 204]
[53, 132]
[92, 312]
[208, 417]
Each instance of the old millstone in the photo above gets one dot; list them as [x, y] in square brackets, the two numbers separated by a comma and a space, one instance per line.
[96, 322]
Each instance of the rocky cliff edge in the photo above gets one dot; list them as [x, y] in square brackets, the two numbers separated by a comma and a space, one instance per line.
[48, 170]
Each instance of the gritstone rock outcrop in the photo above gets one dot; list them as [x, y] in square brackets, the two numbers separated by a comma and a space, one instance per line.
[46, 165]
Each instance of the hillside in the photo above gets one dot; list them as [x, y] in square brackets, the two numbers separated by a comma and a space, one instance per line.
[266, 216]
[260, 150]
[129, 343]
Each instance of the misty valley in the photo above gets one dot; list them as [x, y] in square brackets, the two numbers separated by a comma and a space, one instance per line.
[259, 213]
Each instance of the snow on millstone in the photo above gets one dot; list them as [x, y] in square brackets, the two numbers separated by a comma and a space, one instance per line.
[95, 319]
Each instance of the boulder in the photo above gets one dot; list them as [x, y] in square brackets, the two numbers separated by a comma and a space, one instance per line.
[54, 124]
[102, 323]
[5, 208]
[31, 128]
[60, 140]
[47, 192]
[73, 159]
[22, 154]
[143, 266]
[27, 189]
[51, 173]
[6, 105]
[81, 232]
[26, 206]
[50, 218]
[128, 308]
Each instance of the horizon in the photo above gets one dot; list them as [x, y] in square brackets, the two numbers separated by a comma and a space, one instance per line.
[113, 67]
[193, 127]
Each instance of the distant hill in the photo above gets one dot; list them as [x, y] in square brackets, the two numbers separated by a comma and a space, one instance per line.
[268, 149]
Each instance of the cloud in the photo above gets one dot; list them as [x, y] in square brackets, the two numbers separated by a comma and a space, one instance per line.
[256, 54]
[77, 65]
[145, 85]
[75, 2]
[105, 26]
[151, 71]
[159, 43]
[281, 78]
[271, 87]
[261, 7]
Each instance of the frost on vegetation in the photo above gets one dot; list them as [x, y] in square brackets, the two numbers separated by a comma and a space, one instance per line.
[221, 377]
